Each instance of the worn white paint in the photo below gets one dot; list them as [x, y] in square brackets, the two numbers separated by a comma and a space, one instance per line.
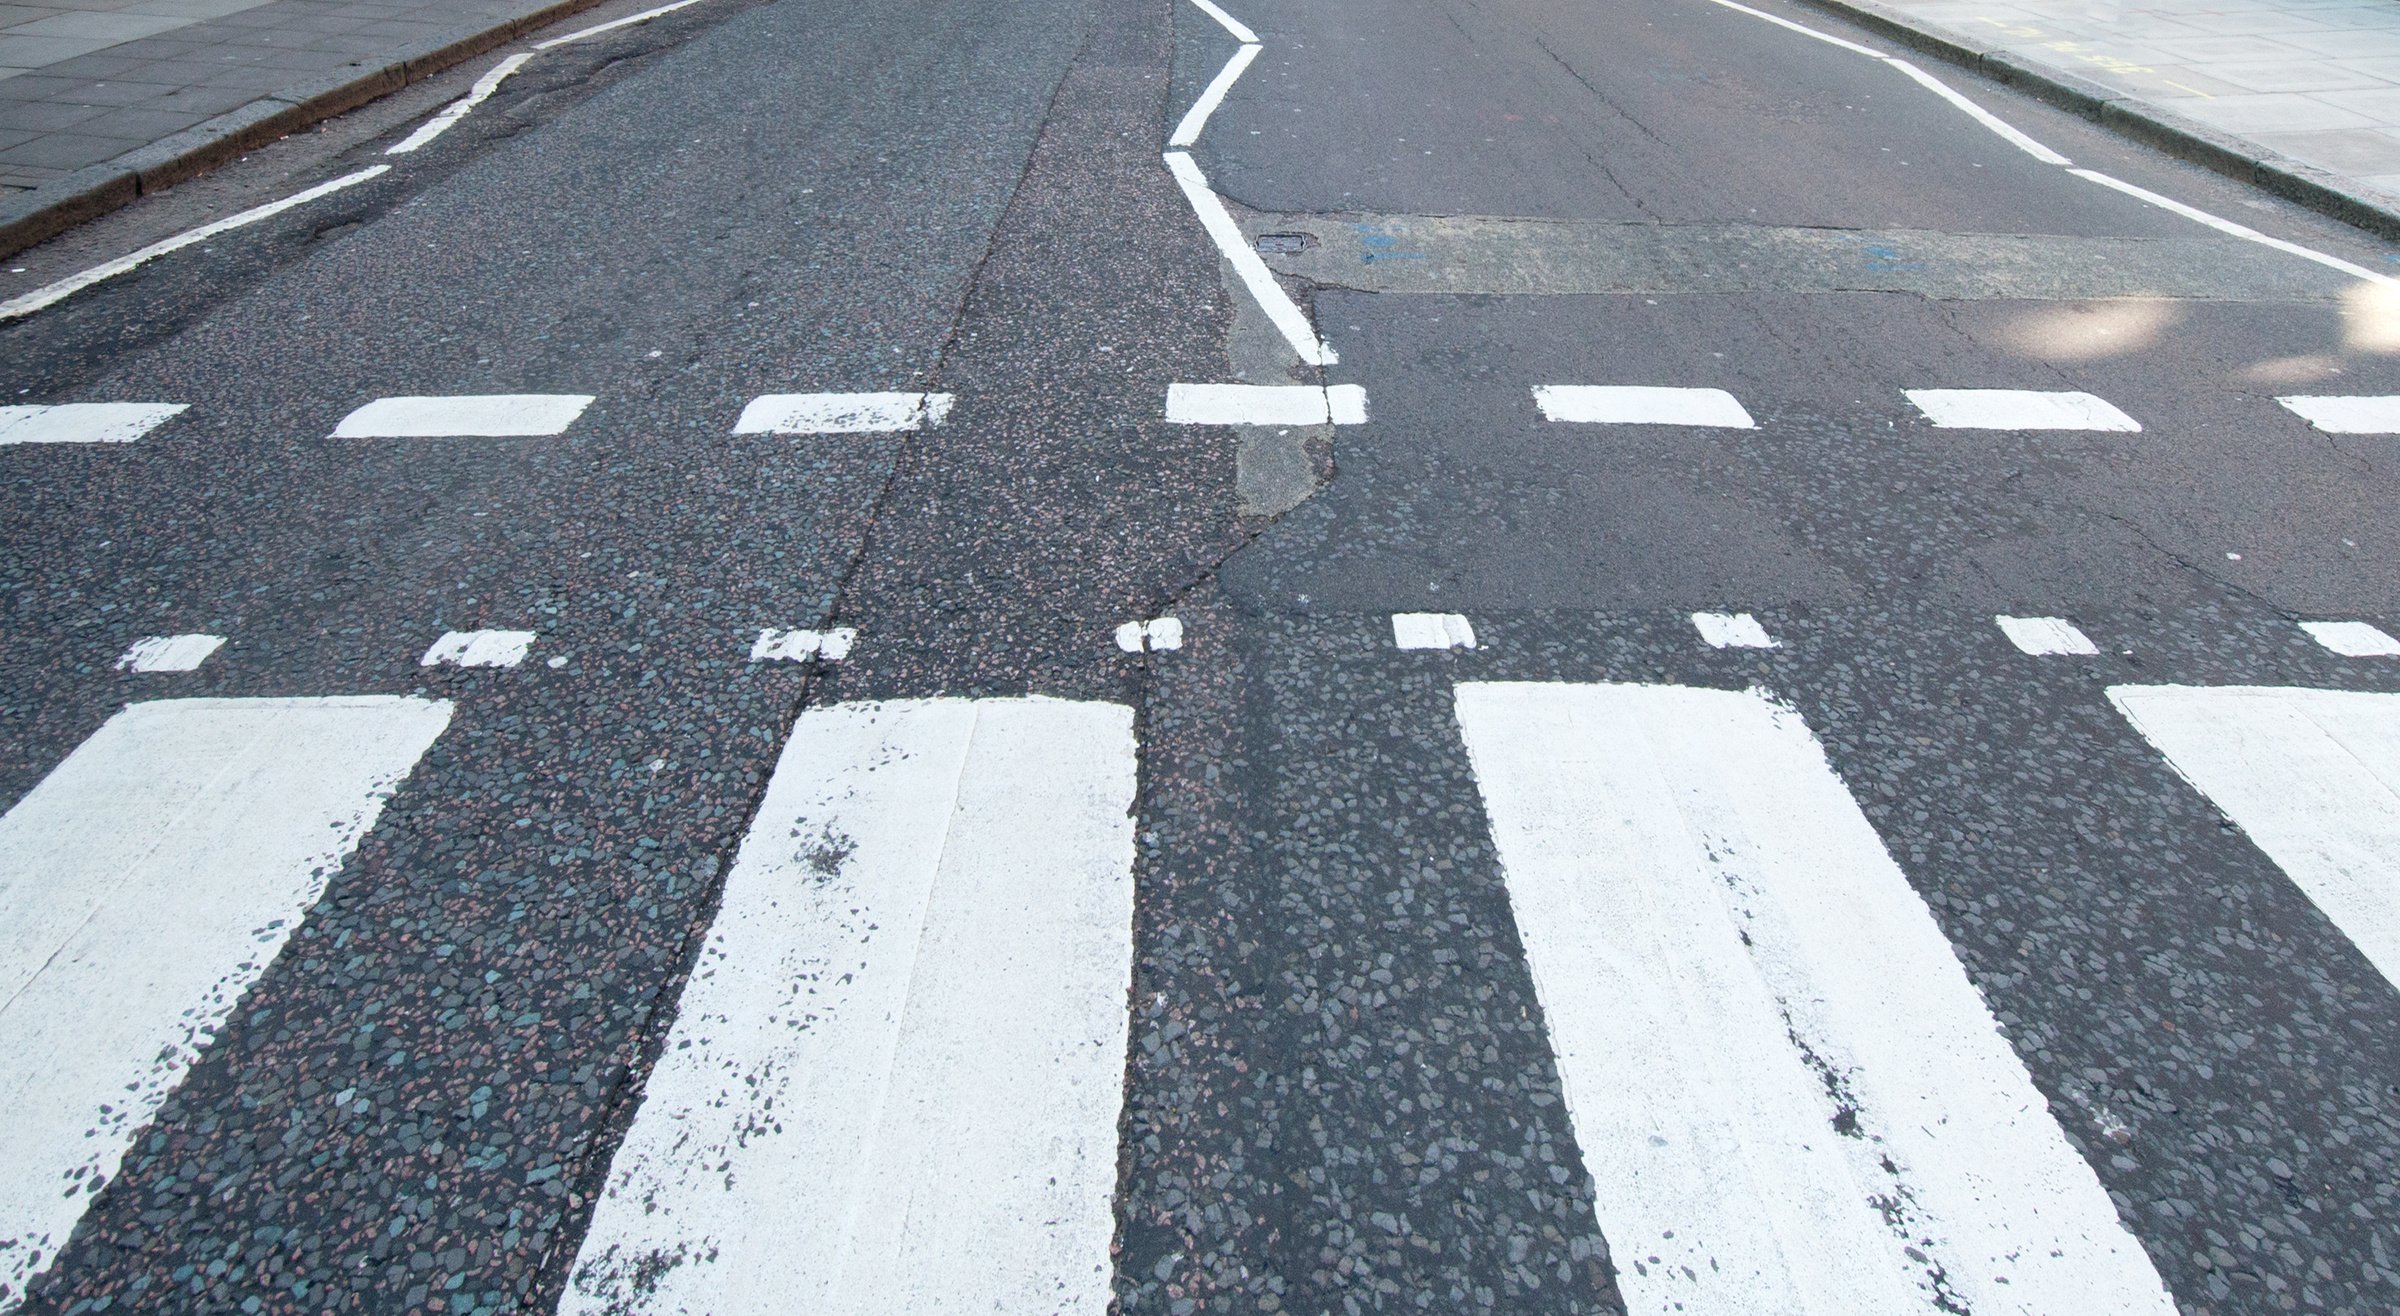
[2018, 409]
[2354, 415]
[1266, 404]
[2353, 639]
[145, 884]
[2046, 637]
[842, 413]
[1278, 305]
[1733, 630]
[462, 107]
[613, 24]
[1227, 21]
[1790, 1094]
[1431, 630]
[472, 415]
[169, 653]
[1196, 118]
[800, 646]
[478, 649]
[1160, 633]
[2312, 776]
[893, 1084]
[1624, 404]
[85, 422]
[54, 293]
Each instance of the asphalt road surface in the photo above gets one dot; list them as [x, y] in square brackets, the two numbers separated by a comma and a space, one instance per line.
[1059, 657]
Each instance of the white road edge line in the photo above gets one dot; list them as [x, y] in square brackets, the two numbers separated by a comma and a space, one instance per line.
[1196, 118]
[1228, 22]
[1981, 115]
[628, 21]
[1279, 306]
[460, 108]
[2199, 216]
[52, 294]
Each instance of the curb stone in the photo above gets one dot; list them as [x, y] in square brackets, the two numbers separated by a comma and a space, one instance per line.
[95, 190]
[2320, 190]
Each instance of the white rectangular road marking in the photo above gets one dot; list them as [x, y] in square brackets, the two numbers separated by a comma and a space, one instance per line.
[1623, 404]
[1793, 1099]
[1431, 630]
[2347, 415]
[169, 653]
[145, 884]
[485, 416]
[893, 1084]
[2019, 409]
[842, 413]
[2046, 637]
[2313, 776]
[1156, 635]
[2353, 639]
[478, 649]
[1266, 404]
[1733, 630]
[85, 422]
[800, 646]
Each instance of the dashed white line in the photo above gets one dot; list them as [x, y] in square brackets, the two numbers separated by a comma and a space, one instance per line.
[1790, 1092]
[1625, 404]
[1196, 118]
[2045, 637]
[85, 422]
[2353, 639]
[1266, 404]
[842, 413]
[2312, 776]
[2351, 415]
[460, 108]
[800, 646]
[1280, 309]
[169, 653]
[1733, 630]
[1431, 630]
[145, 884]
[479, 649]
[487, 415]
[894, 1081]
[1159, 634]
[2019, 409]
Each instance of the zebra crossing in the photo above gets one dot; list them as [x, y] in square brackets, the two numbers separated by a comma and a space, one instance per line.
[894, 1080]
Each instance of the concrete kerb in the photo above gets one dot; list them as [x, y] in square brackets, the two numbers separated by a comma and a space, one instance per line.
[91, 192]
[2326, 193]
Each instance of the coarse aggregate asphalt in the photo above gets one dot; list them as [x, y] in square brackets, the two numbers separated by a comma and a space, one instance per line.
[1341, 1096]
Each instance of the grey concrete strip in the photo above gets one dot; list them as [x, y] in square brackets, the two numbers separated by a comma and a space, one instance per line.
[2239, 157]
[63, 202]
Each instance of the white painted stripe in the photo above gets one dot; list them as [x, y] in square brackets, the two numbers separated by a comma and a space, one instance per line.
[1733, 630]
[1790, 1093]
[1228, 22]
[800, 646]
[145, 884]
[1979, 114]
[1804, 30]
[1431, 630]
[2379, 415]
[485, 415]
[2353, 639]
[85, 422]
[2199, 216]
[628, 21]
[1623, 404]
[52, 294]
[2018, 409]
[842, 413]
[1346, 404]
[1196, 118]
[1270, 296]
[478, 649]
[893, 1085]
[1156, 635]
[169, 653]
[2046, 637]
[1246, 404]
[2313, 776]
[460, 108]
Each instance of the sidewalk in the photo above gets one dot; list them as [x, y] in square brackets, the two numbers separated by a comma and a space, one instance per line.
[101, 100]
[2275, 83]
